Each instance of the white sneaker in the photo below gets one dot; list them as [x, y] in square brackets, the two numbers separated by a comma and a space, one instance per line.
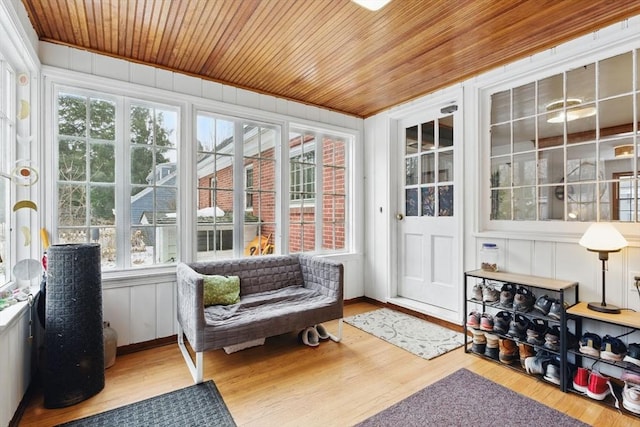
[323, 334]
[310, 337]
[631, 397]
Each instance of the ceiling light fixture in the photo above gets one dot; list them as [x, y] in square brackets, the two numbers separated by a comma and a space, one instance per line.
[372, 4]
[569, 115]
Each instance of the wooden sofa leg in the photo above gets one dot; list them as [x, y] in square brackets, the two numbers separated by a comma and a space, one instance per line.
[196, 370]
[337, 338]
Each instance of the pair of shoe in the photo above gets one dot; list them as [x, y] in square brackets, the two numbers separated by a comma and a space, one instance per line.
[479, 343]
[594, 384]
[608, 348]
[549, 307]
[312, 335]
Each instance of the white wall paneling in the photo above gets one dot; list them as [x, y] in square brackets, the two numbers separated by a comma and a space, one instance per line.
[16, 356]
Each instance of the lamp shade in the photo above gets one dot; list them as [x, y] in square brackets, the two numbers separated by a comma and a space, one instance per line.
[603, 237]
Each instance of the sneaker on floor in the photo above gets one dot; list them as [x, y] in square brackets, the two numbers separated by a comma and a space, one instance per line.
[590, 344]
[310, 337]
[631, 397]
[323, 333]
[490, 294]
[633, 354]
[473, 320]
[599, 386]
[501, 322]
[486, 322]
[543, 304]
[476, 292]
[506, 295]
[523, 300]
[581, 380]
[612, 348]
[536, 331]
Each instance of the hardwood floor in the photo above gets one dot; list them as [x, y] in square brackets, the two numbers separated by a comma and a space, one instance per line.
[284, 383]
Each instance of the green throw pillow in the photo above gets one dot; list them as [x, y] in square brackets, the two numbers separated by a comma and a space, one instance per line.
[221, 290]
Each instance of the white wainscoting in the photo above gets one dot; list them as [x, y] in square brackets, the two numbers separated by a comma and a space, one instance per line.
[15, 354]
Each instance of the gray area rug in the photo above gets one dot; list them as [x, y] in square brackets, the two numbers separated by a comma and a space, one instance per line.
[418, 336]
[467, 399]
[196, 405]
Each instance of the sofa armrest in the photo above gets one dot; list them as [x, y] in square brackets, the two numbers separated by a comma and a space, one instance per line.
[190, 298]
[324, 275]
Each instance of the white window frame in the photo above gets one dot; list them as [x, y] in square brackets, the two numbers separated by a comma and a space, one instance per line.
[317, 147]
[123, 225]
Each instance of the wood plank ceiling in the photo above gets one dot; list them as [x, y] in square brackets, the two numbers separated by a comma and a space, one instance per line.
[329, 53]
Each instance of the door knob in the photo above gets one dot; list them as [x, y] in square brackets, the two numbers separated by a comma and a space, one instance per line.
[399, 217]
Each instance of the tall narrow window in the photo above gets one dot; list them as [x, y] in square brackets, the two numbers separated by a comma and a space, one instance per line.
[86, 130]
[154, 191]
[234, 151]
[318, 191]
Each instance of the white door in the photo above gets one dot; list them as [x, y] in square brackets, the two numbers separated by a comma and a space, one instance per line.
[428, 221]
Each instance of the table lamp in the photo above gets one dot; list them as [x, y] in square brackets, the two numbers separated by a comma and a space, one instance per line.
[603, 237]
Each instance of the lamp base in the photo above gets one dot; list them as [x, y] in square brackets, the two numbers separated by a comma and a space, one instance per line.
[597, 306]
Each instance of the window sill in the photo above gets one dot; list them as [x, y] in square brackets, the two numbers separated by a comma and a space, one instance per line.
[10, 315]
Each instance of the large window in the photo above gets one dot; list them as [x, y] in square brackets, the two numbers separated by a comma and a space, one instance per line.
[236, 173]
[565, 147]
[318, 191]
[133, 214]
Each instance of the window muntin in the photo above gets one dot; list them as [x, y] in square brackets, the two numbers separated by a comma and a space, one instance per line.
[556, 143]
[132, 215]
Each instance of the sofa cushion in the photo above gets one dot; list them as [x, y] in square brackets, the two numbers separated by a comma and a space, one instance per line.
[221, 290]
[264, 305]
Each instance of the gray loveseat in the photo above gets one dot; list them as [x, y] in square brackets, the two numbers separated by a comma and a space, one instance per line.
[278, 294]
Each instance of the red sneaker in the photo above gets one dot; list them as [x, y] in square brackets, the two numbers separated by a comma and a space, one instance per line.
[599, 386]
[581, 380]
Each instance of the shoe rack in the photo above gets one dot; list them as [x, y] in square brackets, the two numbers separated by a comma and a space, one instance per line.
[564, 291]
[626, 318]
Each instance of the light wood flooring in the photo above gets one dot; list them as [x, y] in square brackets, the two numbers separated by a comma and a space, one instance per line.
[284, 383]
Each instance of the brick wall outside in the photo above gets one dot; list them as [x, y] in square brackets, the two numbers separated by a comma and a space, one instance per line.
[301, 221]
